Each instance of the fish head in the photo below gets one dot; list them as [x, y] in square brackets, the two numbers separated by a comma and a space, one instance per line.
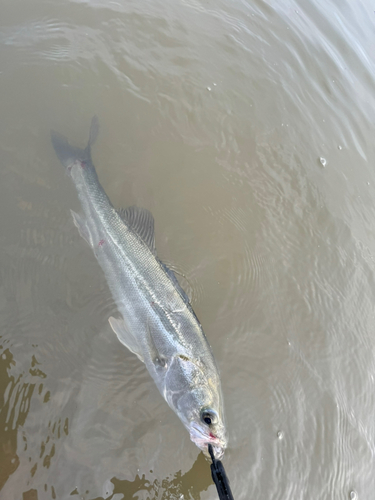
[208, 428]
[193, 391]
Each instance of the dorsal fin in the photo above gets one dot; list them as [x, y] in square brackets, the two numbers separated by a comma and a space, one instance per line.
[142, 223]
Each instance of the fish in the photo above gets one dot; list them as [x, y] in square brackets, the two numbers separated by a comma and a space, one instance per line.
[157, 321]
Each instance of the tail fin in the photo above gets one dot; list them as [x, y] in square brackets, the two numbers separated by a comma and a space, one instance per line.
[68, 154]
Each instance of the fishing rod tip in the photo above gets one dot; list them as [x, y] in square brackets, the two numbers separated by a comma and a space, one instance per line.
[211, 452]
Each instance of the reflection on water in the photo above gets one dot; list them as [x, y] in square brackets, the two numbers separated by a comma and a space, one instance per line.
[215, 117]
[188, 485]
[18, 392]
[8, 436]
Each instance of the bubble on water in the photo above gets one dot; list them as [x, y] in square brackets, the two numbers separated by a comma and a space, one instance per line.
[340, 147]
[209, 89]
[215, 84]
[368, 183]
[323, 161]
[280, 435]
[353, 495]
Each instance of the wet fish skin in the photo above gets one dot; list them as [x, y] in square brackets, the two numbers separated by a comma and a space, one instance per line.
[158, 323]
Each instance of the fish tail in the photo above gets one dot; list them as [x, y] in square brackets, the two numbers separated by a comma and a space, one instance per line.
[68, 154]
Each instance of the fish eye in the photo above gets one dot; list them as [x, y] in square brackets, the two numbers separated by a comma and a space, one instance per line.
[209, 417]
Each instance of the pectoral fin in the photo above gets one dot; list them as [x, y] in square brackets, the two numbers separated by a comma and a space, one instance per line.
[125, 337]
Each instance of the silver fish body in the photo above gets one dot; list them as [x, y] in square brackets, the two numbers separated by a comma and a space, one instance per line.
[158, 323]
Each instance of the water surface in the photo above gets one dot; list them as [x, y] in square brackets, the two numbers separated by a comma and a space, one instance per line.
[248, 130]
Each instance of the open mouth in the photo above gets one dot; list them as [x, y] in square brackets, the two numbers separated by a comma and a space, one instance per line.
[202, 440]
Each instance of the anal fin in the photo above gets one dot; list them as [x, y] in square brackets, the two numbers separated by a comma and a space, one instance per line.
[81, 225]
[125, 337]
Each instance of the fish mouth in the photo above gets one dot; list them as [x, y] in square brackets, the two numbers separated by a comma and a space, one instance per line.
[202, 440]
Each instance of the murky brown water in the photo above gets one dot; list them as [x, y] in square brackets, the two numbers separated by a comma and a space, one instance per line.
[214, 116]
